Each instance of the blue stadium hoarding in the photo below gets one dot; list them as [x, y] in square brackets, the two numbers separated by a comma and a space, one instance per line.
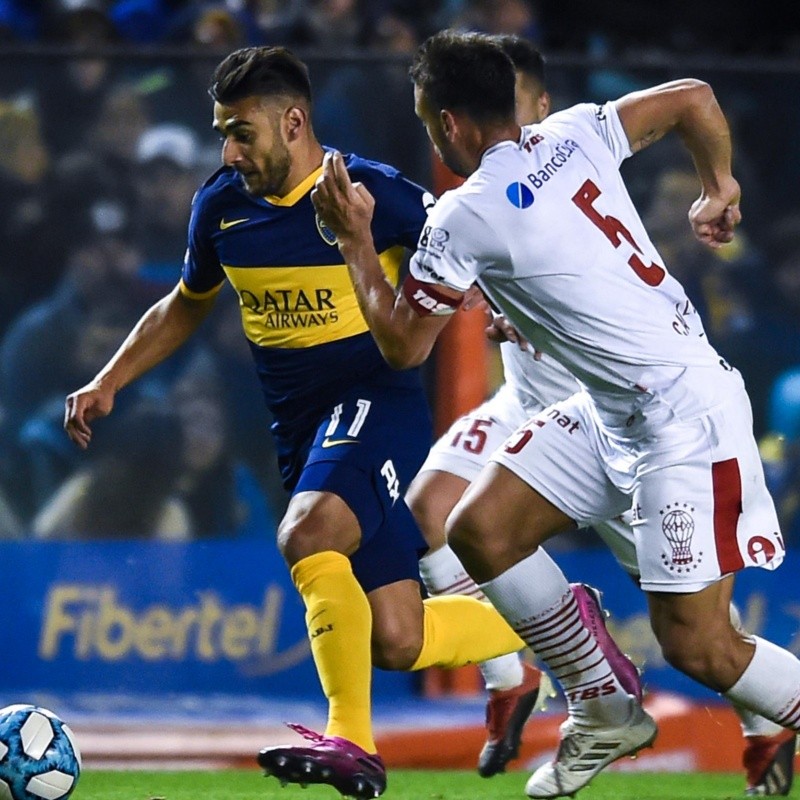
[217, 616]
[223, 617]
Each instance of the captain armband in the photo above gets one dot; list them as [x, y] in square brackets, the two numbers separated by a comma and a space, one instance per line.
[425, 299]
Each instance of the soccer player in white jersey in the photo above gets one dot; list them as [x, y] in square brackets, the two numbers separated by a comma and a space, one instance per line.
[463, 450]
[515, 688]
[544, 224]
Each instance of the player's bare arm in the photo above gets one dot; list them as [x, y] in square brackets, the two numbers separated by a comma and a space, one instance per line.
[690, 108]
[160, 331]
[405, 337]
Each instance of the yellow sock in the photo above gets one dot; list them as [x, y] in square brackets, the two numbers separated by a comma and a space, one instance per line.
[462, 630]
[339, 622]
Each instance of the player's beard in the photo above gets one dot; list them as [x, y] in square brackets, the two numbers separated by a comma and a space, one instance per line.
[452, 162]
[272, 174]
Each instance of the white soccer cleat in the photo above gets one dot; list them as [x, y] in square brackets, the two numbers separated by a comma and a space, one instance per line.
[583, 752]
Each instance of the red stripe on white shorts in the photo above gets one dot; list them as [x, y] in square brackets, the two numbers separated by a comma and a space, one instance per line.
[727, 484]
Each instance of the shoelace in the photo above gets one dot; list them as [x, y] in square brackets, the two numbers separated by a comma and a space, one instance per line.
[306, 733]
[570, 746]
[373, 761]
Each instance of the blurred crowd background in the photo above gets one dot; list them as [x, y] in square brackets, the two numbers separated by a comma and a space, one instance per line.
[105, 134]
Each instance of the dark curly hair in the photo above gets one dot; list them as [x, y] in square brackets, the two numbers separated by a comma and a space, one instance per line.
[260, 71]
[524, 55]
[466, 72]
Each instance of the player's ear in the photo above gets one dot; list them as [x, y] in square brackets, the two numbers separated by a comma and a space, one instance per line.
[295, 120]
[449, 124]
[543, 104]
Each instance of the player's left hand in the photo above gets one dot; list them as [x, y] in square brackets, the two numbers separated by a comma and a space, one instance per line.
[501, 330]
[473, 298]
[345, 207]
[714, 217]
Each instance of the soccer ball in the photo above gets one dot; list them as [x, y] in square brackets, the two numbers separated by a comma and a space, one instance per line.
[39, 759]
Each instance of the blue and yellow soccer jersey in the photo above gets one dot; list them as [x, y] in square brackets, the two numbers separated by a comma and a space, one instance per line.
[300, 314]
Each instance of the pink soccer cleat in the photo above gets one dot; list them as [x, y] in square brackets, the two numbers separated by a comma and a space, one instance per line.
[593, 617]
[330, 760]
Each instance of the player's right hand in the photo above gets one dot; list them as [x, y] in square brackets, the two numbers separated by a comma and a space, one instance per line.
[714, 217]
[345, 207]
[501, 330]
[84, 406]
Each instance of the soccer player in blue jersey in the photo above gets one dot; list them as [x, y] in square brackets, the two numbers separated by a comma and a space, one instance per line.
[350, 431]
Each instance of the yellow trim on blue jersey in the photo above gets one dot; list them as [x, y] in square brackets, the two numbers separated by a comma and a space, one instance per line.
[296, 307]
[185, 290]
[306, 185]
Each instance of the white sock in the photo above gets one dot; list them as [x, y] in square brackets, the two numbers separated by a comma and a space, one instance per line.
[442, 573]
[537, 602]
[770, 685]
[754, 724]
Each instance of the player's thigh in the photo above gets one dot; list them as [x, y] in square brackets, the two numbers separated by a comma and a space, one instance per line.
[317, 521]
[397, 624]
[617, 534]
[499, 521]
[684, 616]
[457, 458]
[702, 506]
[557, 455]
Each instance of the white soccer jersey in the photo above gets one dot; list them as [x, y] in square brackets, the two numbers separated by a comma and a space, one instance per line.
[548, 230]
[535, 383]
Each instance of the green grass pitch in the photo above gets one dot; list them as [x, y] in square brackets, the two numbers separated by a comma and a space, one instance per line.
[403, 785]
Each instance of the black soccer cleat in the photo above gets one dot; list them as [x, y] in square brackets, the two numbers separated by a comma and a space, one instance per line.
[507, 711]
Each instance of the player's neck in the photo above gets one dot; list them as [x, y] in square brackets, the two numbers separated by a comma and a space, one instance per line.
[495, 135]
[306, 160]
[473, 139]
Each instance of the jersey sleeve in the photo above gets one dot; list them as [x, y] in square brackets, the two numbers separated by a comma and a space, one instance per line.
[604, 122]
[202, 273]
[455, 246]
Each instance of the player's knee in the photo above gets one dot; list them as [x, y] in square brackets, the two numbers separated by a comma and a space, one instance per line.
[429, 509]
[295, 541]
[395, 647]
[428, 518]
[300, 537]
[469, 535]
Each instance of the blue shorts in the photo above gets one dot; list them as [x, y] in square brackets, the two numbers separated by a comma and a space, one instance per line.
[366, 451]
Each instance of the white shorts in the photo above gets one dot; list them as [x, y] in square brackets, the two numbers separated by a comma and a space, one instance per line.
[617, 535]
[470, 441]
[699, 505]
[466, 446]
